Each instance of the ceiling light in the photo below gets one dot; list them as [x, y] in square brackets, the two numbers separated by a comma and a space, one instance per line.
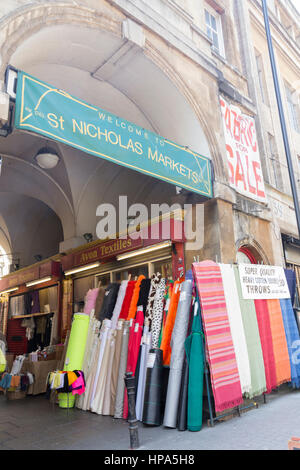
[142, 251]
[47, 158]
[83, 268]
[13, 289]
[38, 281]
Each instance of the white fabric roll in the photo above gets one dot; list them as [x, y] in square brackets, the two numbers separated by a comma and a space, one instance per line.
[119, 303]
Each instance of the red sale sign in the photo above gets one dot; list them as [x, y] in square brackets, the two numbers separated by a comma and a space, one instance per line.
[245, 171]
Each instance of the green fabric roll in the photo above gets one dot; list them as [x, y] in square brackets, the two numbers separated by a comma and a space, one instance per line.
[195, 357]
[75, 353]
[257, 368]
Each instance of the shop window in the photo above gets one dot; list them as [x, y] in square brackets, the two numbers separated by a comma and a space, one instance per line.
[293, 108]
[275, 164]
[164, 267]
[261, 78]
[214, 30]
[135, 272]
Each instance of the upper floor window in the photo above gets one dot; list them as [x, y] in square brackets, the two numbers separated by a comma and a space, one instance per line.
[293, 108]
[214, 30]
[261, 78]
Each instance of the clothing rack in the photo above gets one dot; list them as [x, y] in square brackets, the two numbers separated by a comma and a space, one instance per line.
[16, 317]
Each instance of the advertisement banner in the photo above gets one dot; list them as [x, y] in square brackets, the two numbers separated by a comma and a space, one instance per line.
[53, 113]
[243, 159]
[263, 282]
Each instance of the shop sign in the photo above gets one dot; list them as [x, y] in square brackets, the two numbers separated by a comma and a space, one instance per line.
[107, 250]
[53, 113]
[243, 159]
[263, 282]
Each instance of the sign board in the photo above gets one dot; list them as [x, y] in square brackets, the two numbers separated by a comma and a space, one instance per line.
[243, 159]
[55, 114]
[263, 282]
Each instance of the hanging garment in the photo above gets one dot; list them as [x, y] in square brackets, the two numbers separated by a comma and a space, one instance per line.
[221, 357]
[256, 361]
[116, 365]
[152, 413]
[236, 326]
[110, 298]
[196, 361]
[90, 301]
[155, 280]
[127, 300]
[263, 320]
[170, 321]
[144, 294]
[281, 354]
[145, 348]
[119, 303]
[118, 413]
[177, 358]
[135, 298]
[134, 343]
[158, 308]
[293, 339]
[291, 280]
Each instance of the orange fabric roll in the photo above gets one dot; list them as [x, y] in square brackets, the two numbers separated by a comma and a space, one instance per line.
[170, 321]
[135, 298]
[281, 354]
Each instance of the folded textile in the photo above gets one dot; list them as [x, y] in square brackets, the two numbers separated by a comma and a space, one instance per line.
[236, 326]
[265, 334]
[256, 361]
[221, 356]
[281, 354]
[293, 339]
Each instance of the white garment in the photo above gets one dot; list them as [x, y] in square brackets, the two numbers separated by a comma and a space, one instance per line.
[236, 326]
[17, 365]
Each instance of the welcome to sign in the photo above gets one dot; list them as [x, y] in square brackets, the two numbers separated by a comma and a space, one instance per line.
[244, 165]
[46, 110]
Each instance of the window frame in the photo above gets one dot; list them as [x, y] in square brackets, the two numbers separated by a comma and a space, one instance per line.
[219, 29]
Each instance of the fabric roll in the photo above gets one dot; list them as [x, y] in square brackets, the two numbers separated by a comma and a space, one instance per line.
[146, 344]
[107, 393]
[177, 358]
[122, 370]
[116, 365]
[109, 302]
[167, 298]
[265, 334]
[183, 398]
[256, 361]
[144, 294]
[85, 405]
[293, 339]
[196, 362]
[158, 308]
[170, 321]
[291, 280]
[99, 301]
[127, 300]
[134, 342]
[152, 414]
[119, 303]
[281, 354]
[75, 353]
[135, 298]
[236, 326]
[155, 280]
[221, 356]
[90, 300]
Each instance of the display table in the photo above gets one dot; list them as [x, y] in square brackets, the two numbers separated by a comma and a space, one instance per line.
[40, 371]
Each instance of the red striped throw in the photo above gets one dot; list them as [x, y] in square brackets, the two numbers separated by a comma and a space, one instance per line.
[220, 353]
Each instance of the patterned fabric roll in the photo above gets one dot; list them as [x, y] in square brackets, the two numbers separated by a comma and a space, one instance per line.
[158, 308]
[155, 280]
[220, 350]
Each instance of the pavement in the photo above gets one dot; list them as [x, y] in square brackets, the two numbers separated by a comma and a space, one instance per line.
[33, 423]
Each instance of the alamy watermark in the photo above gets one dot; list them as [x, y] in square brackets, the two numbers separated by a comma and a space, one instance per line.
[176, 222]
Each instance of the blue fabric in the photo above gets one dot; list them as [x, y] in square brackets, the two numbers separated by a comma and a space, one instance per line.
[293, 339]
[5, 381]
[291, 280]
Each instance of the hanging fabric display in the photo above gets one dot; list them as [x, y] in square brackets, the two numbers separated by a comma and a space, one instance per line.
[127, 300]
[135, 298]
[118, 413]
[236, 326]
[281, 355]
[257, 368]
[264, 327]
[146, 343]
[99, 301]
[119, 303]
[110, 298]
[220, 350]
[158, 307]
[178, 353]
[155, 280]
[293, 339]
[196, 360]
[116, 365]
[291, 280]
[144, 293]
[152, 413]
[183, 398]
[90, 301]
[170, 321]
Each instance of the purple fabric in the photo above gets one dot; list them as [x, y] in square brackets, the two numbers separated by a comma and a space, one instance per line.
[90, 300]
[35, 302]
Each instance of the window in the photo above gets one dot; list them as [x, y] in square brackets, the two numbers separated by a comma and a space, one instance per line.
[4, 263]
[292, 103]
[261, 78]
[214, 31]
[275, 164]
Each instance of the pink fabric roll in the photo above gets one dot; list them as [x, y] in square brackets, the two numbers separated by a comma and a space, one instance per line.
[90, 300]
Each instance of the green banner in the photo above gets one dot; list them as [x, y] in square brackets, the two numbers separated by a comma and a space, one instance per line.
[55, 114]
